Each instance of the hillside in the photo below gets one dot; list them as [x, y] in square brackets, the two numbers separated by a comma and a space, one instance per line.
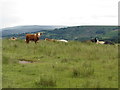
[59, 65]
[7, 32]
[80, 33]
[84, 32]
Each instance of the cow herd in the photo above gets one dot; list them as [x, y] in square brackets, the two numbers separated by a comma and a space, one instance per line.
[35, 37]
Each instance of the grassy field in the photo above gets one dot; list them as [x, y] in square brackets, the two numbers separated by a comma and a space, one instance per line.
[59, 65]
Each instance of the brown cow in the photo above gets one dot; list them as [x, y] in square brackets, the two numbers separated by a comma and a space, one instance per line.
[13, 38]
[33, 37]
[47, 39]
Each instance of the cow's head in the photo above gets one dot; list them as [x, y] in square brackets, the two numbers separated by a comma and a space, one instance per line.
[39, 34]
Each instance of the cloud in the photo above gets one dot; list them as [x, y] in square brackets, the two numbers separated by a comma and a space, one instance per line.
[8, 15]
[58, 12]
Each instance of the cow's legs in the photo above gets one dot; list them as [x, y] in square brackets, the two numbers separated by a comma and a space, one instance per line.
[27, 41]
[35, 42]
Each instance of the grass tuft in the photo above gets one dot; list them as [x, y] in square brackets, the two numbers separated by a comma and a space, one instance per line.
[46, 81]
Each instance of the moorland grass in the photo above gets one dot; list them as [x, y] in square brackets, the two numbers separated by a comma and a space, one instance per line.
[59, 65]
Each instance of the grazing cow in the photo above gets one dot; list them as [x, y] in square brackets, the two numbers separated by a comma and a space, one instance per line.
[13, 38]
[33, 37]
[62, 40]
[47, 39]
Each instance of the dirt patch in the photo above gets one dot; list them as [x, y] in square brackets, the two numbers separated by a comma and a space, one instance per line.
[24, 61]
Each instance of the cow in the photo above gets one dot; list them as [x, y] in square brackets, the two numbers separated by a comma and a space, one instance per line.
[62, 40]
[102, 42]
[13, 38]
[108, 42]
[99, 42]
[47, 39]
[33, 37]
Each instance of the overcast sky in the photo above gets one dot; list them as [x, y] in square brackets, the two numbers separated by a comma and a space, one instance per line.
[58, 12]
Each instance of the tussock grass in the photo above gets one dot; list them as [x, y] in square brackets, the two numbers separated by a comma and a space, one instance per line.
[83, 70]
[59, 65]
[46, 81]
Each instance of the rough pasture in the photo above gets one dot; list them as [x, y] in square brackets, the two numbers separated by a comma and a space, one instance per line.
[59, 65]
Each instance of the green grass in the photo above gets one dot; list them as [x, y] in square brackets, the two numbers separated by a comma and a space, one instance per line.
[59, 65]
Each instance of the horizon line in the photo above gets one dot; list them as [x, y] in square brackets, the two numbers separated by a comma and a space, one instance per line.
[57, 25]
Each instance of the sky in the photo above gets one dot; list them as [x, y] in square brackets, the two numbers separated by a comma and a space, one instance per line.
[58, 12]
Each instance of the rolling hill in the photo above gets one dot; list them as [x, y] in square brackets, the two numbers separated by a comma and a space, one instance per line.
[6, 32]
[84, 33]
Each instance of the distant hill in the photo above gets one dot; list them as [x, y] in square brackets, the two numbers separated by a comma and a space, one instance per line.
[80, 33]
[25, 29]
